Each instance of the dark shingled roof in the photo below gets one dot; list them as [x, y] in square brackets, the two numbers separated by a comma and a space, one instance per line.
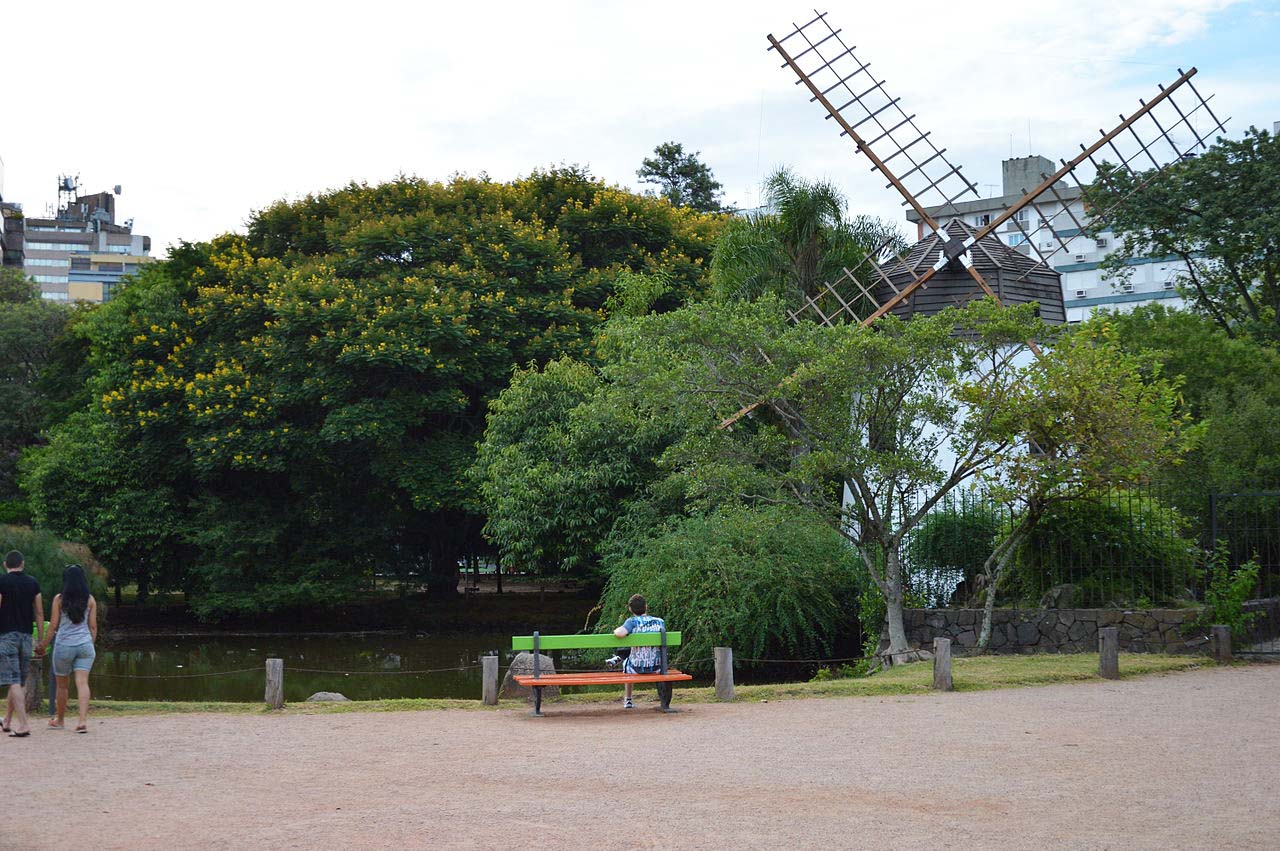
[1016, 278]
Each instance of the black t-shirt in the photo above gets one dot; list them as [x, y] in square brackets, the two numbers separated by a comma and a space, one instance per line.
[17, 592]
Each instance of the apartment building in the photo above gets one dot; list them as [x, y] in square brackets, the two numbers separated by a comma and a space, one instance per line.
[80, 253]
[1083, 288]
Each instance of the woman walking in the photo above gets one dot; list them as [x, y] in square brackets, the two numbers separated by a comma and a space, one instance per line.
[74, 621]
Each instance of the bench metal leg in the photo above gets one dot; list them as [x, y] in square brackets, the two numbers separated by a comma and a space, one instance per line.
[664, 695]
[537, 701]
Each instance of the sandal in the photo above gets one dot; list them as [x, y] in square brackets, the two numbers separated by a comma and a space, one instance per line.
[82, 729]
[53, 726]
[19, 735]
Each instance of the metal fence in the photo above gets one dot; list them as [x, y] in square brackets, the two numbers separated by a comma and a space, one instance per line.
[1129, 547]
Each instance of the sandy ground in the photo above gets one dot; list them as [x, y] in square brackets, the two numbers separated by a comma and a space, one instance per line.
[1187, 760]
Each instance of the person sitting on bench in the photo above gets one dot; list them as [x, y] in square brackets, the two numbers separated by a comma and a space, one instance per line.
[641, 660]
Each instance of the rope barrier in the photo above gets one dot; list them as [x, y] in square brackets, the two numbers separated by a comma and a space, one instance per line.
[289, 669]
[737, 659]
[175, 676]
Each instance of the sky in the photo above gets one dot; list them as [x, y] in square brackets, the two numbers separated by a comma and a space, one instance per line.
[203, 113]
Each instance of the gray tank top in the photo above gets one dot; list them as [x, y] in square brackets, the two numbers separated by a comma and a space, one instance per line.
[71, 634]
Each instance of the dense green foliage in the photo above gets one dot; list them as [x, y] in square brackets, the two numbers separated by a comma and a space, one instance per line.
[276, 417]
[685, 180]
[769, 582]
[945, 553]
[1118, 549]
[1220, 214]
[46, 556]
[31, 329]
[801, 240]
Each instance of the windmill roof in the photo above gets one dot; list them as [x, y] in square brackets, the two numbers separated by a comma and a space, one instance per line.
[1015, 277]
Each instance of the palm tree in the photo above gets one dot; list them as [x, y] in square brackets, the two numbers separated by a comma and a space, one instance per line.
[802, 241]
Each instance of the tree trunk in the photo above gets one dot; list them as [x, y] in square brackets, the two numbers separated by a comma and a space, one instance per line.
[893, 604]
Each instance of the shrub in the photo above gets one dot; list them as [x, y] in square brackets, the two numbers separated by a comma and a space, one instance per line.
[1115, 548]
[945, 553]
[46, 556]
[1225, 593]
[770, 583]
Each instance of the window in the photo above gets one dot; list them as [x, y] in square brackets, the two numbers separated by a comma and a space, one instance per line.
[1016, 239]
[983, 220]
[1102, 242]
[53, 296]
[46, 261]
[1168, 285]
[1080, 293]
[58, 246]
[120, 249]
[1127, 287]
[50, 279]
[1021, 215]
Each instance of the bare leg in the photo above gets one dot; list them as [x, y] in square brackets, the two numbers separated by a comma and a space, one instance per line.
[626, 688]
[82, 697]
[59, 718]
[18, 706]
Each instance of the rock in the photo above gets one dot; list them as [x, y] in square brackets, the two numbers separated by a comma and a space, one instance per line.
[1078, 631]
[968, 638]
[1059, 597]
[522, 664]
[322, 696]
[1027, 634]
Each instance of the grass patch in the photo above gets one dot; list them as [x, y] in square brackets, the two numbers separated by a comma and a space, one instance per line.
[980, 673]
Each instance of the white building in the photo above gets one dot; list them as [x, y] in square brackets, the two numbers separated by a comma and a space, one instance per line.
[1083, 289]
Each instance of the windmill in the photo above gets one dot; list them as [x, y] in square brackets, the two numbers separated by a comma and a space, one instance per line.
[955, 261]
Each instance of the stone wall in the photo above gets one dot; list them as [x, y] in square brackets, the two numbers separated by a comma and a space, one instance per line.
[1058, 630]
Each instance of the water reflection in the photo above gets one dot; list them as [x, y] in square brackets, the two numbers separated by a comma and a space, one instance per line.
[362, 667]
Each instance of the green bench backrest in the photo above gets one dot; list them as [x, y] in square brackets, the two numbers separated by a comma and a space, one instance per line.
[590, 642]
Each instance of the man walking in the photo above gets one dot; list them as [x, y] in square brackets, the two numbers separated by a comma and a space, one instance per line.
[20, 607]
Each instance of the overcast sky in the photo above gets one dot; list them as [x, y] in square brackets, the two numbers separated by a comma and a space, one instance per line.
[206, 112]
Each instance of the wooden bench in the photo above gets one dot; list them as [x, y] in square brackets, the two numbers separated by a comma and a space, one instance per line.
[537, 643]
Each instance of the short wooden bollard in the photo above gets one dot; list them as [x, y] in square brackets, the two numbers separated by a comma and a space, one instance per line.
[1109, 652]
[489, 680]
[1220, 643]
[724, 673]
[275, 684]
[34, 682]
[942, 664]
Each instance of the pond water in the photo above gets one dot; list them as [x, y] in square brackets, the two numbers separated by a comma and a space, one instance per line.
[362, 666]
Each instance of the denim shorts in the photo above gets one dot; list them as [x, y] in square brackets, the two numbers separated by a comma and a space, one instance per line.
[78, 657]
[15, 658]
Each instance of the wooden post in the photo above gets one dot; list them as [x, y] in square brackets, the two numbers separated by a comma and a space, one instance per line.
[724, 673]
[1220, 643]
[275, 683]
[1109, 652]
[942, 664]
[489, 680]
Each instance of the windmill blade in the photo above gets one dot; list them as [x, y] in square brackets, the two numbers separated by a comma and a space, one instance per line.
[876, 122]
[1161, 132]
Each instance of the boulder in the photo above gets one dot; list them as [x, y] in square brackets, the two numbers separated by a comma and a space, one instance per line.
[522, 664]
[1027, 634]
[321, 696]
[1059, 597]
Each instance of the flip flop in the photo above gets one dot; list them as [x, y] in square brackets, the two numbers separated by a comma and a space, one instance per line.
[53, 726]
[82, 729]
[19, 735]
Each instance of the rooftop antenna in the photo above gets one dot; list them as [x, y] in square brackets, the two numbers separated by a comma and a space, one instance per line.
[68, 191]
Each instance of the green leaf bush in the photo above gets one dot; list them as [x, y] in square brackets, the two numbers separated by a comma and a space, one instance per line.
[768, 582]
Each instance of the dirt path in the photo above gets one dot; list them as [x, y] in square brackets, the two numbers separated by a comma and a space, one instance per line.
[1187, 760]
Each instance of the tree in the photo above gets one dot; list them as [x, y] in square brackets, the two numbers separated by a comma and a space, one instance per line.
[685, 180]
[30, 331]
[846, 409]
[1230, 384]
[767, 581]
[1083, 416]
[300, 406]
[801, 241]
[1220, 214]
[561, 456]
